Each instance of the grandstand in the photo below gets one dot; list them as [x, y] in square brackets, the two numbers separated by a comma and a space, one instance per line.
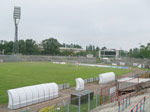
[134, 101]
[130, 95]
[109, 89]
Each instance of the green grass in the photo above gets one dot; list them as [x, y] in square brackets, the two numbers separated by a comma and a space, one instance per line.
[14, 75]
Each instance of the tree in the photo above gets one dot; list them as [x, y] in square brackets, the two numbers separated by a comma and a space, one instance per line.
[22, 46]
[103, 48]
[63, 45]
[31, 47]
[123, 53]
[8, 47]
[51, 46]
[143, 52]
[97, 48]
[91, 49]
[1, 45]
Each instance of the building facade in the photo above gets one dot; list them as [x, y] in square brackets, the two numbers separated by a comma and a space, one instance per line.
[109, 53]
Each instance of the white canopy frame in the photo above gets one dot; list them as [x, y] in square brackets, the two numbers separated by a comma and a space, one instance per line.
[106, 77]
[29, 95]
[79, 84]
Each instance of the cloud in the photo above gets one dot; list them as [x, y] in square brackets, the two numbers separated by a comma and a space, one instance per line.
[111, 23]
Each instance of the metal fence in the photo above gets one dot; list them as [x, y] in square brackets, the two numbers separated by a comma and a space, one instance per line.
[67, 85]
[90, 80]
[4, 99]
[79, 104]
[115, 91]
[124, 103]
[63, 86]
[142, 75]
[108, 94]
[139, 106]
[43, 58]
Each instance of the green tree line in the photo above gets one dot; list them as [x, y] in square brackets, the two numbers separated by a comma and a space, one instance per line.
[48, 46]
[142, 52]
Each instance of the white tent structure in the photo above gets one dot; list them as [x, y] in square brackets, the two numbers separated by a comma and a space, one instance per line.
[106, 77]
[25, 96]
[79, 84]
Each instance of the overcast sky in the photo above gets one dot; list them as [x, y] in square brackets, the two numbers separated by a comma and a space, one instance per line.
[120, 24]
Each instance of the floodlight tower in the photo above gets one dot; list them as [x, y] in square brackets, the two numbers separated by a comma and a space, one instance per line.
[16, 17]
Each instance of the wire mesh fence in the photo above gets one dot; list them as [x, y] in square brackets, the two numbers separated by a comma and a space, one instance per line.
[106, 94]
[79, 104]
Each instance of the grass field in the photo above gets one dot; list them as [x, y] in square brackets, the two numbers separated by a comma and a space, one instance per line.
[14, 75]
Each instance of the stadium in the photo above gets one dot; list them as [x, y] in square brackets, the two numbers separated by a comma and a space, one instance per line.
[106, 84]
[55, 57]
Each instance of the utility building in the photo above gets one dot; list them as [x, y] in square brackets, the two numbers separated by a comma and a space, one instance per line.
[109, 53]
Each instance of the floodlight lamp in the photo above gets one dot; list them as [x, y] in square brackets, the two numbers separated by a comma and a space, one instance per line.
[17, 12]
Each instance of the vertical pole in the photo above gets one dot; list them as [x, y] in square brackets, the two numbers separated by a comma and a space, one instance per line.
[105, 96]
[138, 83]
[123, 105]
[68, 106]
[55, 108]
[101, 96]
[141, 106]
[119, 106]
[144, 105]
[103, 99]
[117, 91]
[129, 98]
[88, 102]
[137, 108]
[109, 98]
[126, 101]
[15, 46]
[79, 103]
[96, 98]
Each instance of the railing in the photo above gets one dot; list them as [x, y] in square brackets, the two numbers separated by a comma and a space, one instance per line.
[94, 79]
[128, 83]
[124, 101]
[142, 75]
[137, 106]
[109, 94]
[64, 86]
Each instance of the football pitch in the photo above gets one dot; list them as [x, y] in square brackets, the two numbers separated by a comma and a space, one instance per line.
[14, 75]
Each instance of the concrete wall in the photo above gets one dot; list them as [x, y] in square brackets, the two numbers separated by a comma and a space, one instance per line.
[130, 61]
[33, 58]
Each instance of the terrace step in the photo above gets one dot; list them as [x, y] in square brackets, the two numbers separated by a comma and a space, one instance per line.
[134, 101]
[147, 104]
[113, 107]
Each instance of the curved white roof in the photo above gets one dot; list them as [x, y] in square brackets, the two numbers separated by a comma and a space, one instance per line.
[106, 77]
[79, 84]
[25, 96]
